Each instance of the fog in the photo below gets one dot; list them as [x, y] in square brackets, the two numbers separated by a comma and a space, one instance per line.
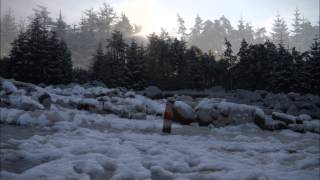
[154, 14]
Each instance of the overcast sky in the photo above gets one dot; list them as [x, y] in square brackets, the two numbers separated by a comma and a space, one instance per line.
[154, 14]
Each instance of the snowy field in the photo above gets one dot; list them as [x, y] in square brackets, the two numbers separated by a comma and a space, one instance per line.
[120, 138]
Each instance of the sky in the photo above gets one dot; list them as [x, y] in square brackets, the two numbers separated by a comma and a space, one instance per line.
[156, 14]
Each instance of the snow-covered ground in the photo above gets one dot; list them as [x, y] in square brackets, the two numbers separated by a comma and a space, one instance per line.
[64, 142]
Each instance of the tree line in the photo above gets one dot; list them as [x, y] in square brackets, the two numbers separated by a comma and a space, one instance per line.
[40, 55]
[96, 24]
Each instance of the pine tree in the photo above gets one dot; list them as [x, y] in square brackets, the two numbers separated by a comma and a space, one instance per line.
[38, 56]
[136, 66]
[124, 26]
[181, 27]
[280, 34]
[196, 31]
[61, 27]
[98, 67]
[8, 32]
[116, 55]
[296, 39]
[228, 58]
[64, 56]
[314, 66]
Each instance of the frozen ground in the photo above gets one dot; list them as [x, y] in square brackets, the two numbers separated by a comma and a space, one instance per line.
[65, 143]
[191, 152]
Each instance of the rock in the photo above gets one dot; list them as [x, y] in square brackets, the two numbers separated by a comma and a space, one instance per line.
[224, 113]
[293, 96]
[45, 100]
[248, 95]
[312, 126]
[293, 110]
[138, 116]
[279, 102]
[277, 125]
[88, 105]
[297, 128]
[262, 93]
[306, 105]
[8, 87]
[304, 117]
[205, 111]
[183, 113]
[153, 92]
[288, 119]
[183, 98]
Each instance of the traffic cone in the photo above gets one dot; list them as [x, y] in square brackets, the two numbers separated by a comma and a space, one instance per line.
[167, 118]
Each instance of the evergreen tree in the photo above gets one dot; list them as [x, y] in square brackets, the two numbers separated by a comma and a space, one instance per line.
[181, 27]
[194, 70]
[61, 27]
[280, 34]
[196, 31]
[297, 36]
[99, 66]
[314, 67]
[124, 26]
[228, 56]
[116, 55]
[8, 32]
[106, 18]
[38, 56]
[136, 66]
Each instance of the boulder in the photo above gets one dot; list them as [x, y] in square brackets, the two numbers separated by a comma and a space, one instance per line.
[303, 117]
[183, 113]
[221, 113]
[293, 96]
[205, 111]
[248, 95]
[288, 119]
[279, 102]
[297, 128]
[306, 105]
[45, 100]
[293, 110]
[138, 116]
[153, 92]
[262, 93]
[312, 126]
[8, 87]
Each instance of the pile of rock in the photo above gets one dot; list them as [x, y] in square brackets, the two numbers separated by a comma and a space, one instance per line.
[219, 113]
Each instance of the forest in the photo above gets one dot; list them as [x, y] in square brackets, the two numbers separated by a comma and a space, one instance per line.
[106, 47]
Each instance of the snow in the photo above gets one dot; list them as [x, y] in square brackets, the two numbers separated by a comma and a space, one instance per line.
[184, 110]
[88, 153]
[64, 142]
[284, 116]
[8, 86]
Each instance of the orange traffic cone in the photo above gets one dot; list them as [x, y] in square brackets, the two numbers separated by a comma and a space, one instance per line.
[168, 117]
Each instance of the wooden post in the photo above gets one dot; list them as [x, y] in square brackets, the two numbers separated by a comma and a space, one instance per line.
[167, 118]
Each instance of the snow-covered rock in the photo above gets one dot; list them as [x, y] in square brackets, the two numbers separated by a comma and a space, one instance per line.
[221, 113]
[205, 111]
[24, 102]
[183, 113]
[288, 119]
[152, 92]
[45, 100]
[8, 87]
[304, 117]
